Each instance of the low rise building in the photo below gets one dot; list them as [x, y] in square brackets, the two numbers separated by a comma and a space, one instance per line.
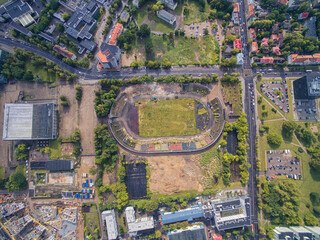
[275, 38]
[237, 44]
[18, 226]
[21, 29]
[253, 34]
[295, 59]
[166, 16]
[265, 42]
[109, 56]
[170, 4]
[232, 214]
[64, 52]
[188, 214]
[303, 15]
[47, 37]
[118, 28]
[281, 233]
[295, 3]
[235, 13]
[240, 59]
[310, 24]
[35, 233]
[24, 121]
[251, 11]
[10, 209]
[140, 225]
[194, 232]
[135, 3]
[254, 47]
[110, 218]
[301, 233]
[53, 165]
[313, 85]
[276, 50]
[124, 16]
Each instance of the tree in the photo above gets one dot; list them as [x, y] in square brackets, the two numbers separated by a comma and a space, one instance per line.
[144, 31]
[310, 220]
[17, 180]
[235, 51]
[60, 27]
[66, 16]
[21, 152]
[288, 127]
[206, 31]
[78, 93]
[158, 6]
[274, 139]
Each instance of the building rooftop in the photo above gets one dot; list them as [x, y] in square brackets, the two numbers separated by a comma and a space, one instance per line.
[251, 10]
[124, 16]
[187, 214]
[47, 37]
[53, 165]
[24, 121]
[137, 225]
[115, 34]
[283, 233]
[315, 230]
[265, 41]
[166, 15]
[88, 44]
[10, 209]
[17, 9]
[237, 44]
[111, 224]
[191, 233]
[276, 49]
[64, 52]
[235, 7]
[20, 29]
[17, 226]
[267, 60]
[67, 228]
[35, 233]
[254, 47]
[232, 214]
[107, 52]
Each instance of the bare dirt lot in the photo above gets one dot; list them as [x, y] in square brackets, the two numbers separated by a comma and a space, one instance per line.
[61, 178]
[171, 174]
[67, 148]
[87, 119]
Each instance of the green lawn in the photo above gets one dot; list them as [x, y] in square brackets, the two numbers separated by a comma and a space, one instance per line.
[92, 223]
[2, 173]
[173, 117]
[195, 15]
[186, 51]
[159, 25]
[233, 96]
[55, 149]
[44, 75]
[141, 16]
[271, 115]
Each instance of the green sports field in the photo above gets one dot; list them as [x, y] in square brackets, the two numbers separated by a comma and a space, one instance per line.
[163, 118]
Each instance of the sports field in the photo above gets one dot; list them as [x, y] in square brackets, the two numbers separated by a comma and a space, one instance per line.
[163, 118]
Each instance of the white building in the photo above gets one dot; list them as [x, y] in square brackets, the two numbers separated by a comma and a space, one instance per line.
[111, 224]
[240, 59]
[170, 4]
[137, 225]
[166, 16]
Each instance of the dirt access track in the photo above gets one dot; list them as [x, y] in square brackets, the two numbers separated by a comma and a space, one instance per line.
[124, 118]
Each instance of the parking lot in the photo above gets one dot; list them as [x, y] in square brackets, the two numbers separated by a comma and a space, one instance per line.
[282, 163]
[305, 110]
[277, 92]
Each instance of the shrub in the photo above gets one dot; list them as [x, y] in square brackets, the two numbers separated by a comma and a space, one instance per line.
[274, 139]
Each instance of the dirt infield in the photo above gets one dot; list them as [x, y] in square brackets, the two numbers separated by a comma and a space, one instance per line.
[170, 174]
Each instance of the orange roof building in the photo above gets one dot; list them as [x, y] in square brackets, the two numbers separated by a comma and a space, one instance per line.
[265, 42]
[274, 37]
[283, 1]
[115, 34]
[109, 56]
[64, 52]
[237, 44]
[276, 50]
[251, 10]
[267, 60]
[253, 33]
[254, 47]
[295, 59]
[235, 7]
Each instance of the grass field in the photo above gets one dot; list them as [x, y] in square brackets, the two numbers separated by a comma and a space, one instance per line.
[187, 51]
[233, 95]
[195, 15]
[173, 117]
[92, 223]
[2, 173]
[271, 115]
[141, 15]
[55, 149]
[44, 75]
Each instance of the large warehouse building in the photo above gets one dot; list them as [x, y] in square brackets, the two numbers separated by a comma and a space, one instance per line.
[30, 121]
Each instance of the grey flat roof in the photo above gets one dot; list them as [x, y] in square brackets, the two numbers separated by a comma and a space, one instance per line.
[53, 165]
[24, 121]
[18, 8]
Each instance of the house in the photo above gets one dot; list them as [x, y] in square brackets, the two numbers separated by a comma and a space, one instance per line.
[251, 11]
[26, 121]
[237, 44]
[276, 50]
[124, 16]
[254, 47]
[265, 42]
[82, 23]
[240, 59]
[275, 38]
[166, 16]
[135, 3]
[20, 11]
[109, 56]
[275, 28]
[228, 52]
[188, 214]
[64, 52]
[235, 13]
[232, 214]
[197, 232]
[303, 15]
[253, 34]
[295, 59]
[170, 4]
[280, 233]
[111, 224]
[267, 60]
[137, 226]
[115, 34]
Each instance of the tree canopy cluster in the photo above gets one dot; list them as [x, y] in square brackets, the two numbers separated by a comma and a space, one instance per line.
[21, 152]
[104, 100]
[274, 139]
[221, 9]
[17, 180]
[281, 202]
[288, 128]
[297, 43]
[232, 78]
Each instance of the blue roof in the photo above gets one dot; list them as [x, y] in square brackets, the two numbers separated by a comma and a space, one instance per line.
[183, 215]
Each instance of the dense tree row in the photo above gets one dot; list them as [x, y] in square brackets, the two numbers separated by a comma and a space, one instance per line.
[297, 43]
[221, 9]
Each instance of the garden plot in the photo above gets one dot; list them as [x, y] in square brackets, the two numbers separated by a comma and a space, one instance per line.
[136, 180]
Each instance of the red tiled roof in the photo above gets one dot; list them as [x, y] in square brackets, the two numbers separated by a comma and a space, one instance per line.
[274, 37]
[295, 58]
[304, 14]
[253, 33]
[251, 11]
[283, 1]
[276, 49]
[216, 236]
[254, 47]
[236, 7]
[237, 44]
[115, 34]
[265, 41]
[63, 51]
[266, 60]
